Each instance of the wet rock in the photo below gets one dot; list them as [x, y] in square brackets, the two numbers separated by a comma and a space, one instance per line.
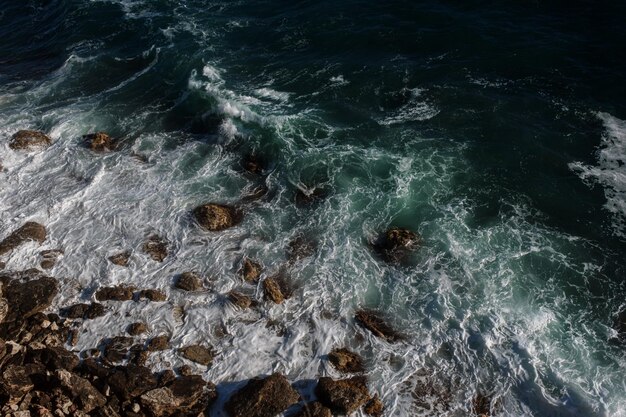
[120, 259]
[29, 231]
[396, 244]
[29, 139]
[374, 407]
[277, 289]
[99, 142]
[216, 217]
[373, 322]
[116, 348]
[119, 293]
[159, 343]
[135, 329]
[346, 361]
[262, 397]
[26, 298]
[240, 300]
[50, 258]
[254, 164]
[137, 355]
[250, 270]
[189, 281]
[309, 196]
[481, 405]
[185, 370]
[314, 409]
[301, 247]
[188, 395]
[156, 248]
[80, 391]
[16, 382]
[199, 354]
[152, 295]
[54, 357]
[254, 193]
[432, 393]
[132, 381]
[343, 396]
[84, 311]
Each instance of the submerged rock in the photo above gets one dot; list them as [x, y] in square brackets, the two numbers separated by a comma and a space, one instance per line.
[250, 270]
[29, 139]
[187, 395]
[216, 217]
[262, 397]
[120, 259]
[373, 322]
[50, 257]
[396, 244]
[301, 247]
[254, 164]
[116, 348]
[199, 354]
[99, 142]
[314, 409]
[343, 396]
[308, 196]
[135, 329]
[481, 405]
[346, 361]
[240, 300]
[156, 248]
[158, 343]
[119, 293]
[189, 281]
[84, 311]
[29, 231]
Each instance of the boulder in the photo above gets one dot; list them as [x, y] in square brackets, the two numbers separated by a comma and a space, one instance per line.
[374, 407]
[158, 343]
[16, 382]
[132, 381]
[188, 395]
[277, 289]
[135, 329]
[301, 247]
[156, 248]
[189, 281]
[84, 311]
[152, 295]
[346, 361]
[29, 231]
[216, 217]
[80, 391]
[396, 244]
[29, 139]
[120, 259]
[50, 257]
[314, 409]
[119, 293]
[26, 298]
[199, 354]
[240, 300]
[343, 396]
[250, 270]
[254, 164]
[262, 397]
[99, 142]
[116, 348]
[373, 322]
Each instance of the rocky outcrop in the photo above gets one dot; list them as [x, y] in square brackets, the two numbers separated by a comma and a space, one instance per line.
[119, 293]
[262, 397]
[120, 259]
[189, 281]
[250, 270]
[198, 353]
[156, 248]
[343, 396]
[84, 311]
[373, 322]
[80, 391]
[216, 217]
[30, 231]
[99, 142]
[29, 140]
[346, 361]
[277, 289]
[185, 396]
[240, 300]
[26, 294]
[396, 244]
[314, 409]
[152, 295]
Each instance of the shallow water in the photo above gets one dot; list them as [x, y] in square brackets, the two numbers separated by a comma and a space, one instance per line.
[496, 132]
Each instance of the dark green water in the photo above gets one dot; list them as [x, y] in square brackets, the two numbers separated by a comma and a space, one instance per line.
[495, 130]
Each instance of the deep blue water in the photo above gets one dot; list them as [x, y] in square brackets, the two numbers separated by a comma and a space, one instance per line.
[494, 129]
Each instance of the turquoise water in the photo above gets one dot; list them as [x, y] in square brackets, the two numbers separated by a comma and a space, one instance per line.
[496, 132]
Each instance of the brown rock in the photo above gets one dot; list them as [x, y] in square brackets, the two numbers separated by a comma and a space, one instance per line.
[240, 300]
[120, 259]
[84, 311]
[99, 142]
[375, 324]
[396, 244]
[199, 354]
[481, 405]
[119, 293]
[188, 395]
[29, 231]
[159, 343]
[132, 381]
[156, 248]
[80, 391]
[343, 396]
[28, 140]
[152, 295]
[50, 258]
[16, 382]
[216, 217]
[250, 270]
[277, 288]
[346, 361]
[26, 298]
[185, 370]
[374, 407]
[314, 409]
[135, 329]
[116, 348]
[262, 397]
[189, 281]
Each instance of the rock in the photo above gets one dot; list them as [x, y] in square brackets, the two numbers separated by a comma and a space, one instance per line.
[254, 193]
[132, 381]
[99, 142]
[250, 270]
[29, 231]
[55, 357]
[481, 405]
[396, 244]
[253, 164]
[119, 293]
[346, 361]
[240, 300]
[301, 247]
[372, 321]
[2, 265]
[80, 391]
[216, 217]
[135, 329]
[374, 407]
[199, 354]
[152, 295]
[28, 140]
[16, 382]
[116, 348]
[159, 343]
[189, 281]
[188, 395]
[137, 355]
[314, 409]
[272, 290]
[120, 259]
[343, 396]
[84, 311]
[50, 258]
[156, 248]
[262, 397]
[26, 298]
[306, 197]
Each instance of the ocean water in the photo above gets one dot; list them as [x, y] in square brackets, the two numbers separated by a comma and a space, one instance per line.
[497, 131]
